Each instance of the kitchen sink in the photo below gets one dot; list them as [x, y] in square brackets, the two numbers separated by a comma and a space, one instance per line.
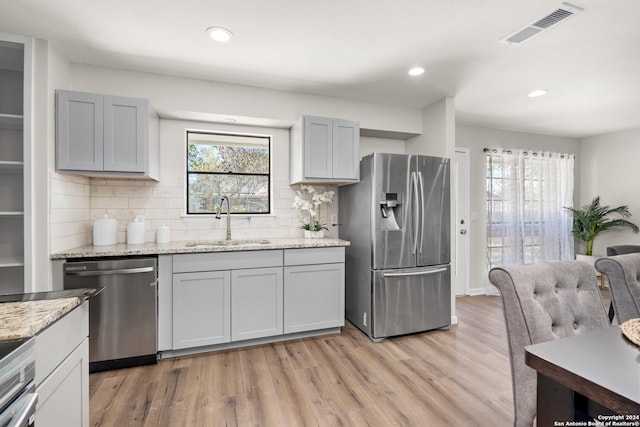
[235, 242]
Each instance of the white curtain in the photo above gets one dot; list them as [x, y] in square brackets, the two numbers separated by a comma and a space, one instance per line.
[527, 192]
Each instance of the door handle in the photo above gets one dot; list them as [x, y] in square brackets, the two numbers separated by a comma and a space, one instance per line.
[421, 184]
[414, 182]
[25, 411]
[463, 231]
[414, 273]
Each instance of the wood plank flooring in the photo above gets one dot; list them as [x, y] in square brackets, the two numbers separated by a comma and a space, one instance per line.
[455, 377]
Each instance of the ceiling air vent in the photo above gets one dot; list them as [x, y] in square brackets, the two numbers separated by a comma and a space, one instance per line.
[549, 20]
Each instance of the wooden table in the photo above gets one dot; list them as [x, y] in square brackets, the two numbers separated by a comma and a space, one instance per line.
[599, 368]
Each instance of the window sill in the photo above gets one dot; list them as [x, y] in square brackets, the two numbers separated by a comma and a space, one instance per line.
[233, 216]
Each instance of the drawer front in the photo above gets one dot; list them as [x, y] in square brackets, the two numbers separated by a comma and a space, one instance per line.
[313, 256]
[210, 261]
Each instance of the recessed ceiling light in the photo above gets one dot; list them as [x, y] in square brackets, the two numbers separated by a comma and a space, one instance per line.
[416, 71]
[536, 93]
[220, 34]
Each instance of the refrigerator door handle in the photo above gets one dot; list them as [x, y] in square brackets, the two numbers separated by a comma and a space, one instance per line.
[414, 187]
[414, 273]
[421, 182]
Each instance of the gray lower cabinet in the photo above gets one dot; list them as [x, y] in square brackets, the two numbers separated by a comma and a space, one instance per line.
[201, 309]
[62, 371]
[256, 303]
[229, 297]
[313, 297]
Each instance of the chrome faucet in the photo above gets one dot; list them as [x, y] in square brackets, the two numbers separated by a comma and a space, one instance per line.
[228, 216]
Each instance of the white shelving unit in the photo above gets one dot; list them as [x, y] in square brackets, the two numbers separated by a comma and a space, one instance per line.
[15, 145]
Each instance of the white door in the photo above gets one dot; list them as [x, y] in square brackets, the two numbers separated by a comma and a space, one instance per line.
[461, 192]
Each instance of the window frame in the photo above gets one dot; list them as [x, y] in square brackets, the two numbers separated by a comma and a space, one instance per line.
[530, 177]
[269, 139]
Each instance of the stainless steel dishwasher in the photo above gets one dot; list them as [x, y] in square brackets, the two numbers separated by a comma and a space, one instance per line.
[123, 317]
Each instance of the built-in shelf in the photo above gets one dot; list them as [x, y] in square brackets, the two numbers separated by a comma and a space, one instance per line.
[11, 121]
[11, 166]
[15, 154]
[11, 262]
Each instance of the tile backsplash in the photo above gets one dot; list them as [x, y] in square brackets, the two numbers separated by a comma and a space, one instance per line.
[77, 201]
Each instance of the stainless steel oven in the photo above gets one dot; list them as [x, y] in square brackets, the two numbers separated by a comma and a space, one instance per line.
[17, 387]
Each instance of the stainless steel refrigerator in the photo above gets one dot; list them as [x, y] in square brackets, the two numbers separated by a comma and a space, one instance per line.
[397, 218]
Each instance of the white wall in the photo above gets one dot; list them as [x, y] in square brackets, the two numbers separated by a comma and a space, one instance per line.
[475, 138]
[68, 196]
[611, 170]
[51, 71]
[370, 145]
[437, 137]
[184, 96]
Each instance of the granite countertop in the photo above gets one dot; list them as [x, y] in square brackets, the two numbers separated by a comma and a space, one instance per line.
[181, 247]
[27, 318]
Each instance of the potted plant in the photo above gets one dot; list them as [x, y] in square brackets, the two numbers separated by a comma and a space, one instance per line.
[309, 201]
[592, 219]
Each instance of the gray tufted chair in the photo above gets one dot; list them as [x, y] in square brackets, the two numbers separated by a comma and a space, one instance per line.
[623, 274]
[544, 302]
[619, 250]
[622, 249]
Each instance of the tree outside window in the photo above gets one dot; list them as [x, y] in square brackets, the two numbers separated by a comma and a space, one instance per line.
[236, 166]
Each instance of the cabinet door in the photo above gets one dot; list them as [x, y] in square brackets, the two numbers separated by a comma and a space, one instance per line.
[346, 149]
[318, 148]
[313, 297]
[79, 131]
[63, 398]
[201, 303]
[125, 134]
[256, 303]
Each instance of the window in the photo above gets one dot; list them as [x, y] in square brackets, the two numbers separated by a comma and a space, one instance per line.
[526, 196]
[236, 166]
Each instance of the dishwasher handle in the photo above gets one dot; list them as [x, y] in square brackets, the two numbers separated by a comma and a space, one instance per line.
[136, 270]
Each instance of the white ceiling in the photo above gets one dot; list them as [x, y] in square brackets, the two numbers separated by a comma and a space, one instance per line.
[362, 49]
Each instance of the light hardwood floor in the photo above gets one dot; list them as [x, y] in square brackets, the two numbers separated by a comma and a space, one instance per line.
[455, 377]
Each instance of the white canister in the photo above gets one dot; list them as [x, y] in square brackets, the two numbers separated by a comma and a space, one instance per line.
[135, 231]
[163, 234]
[105, 231]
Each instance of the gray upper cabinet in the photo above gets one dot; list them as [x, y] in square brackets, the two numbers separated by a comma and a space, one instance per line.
[125, 134]
[324, 150]
[104, 135]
